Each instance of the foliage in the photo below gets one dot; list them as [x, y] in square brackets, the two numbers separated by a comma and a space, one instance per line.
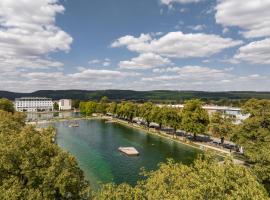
[75, 103]
[6, 105]
[194, 118]
[158, 115]
[172, 118]
[118, 192]
[205, 179]
[104, 100]
[254, 135]
[112, 108]
[88, 108]
[166, 96]
[11, 122]
[33, 167]
[55, 106]
[221, 125]
[145, 112]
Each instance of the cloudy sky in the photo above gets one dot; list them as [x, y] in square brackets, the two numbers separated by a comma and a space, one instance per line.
[211, 45]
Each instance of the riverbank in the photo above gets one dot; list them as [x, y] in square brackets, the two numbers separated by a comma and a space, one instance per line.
[198, 145]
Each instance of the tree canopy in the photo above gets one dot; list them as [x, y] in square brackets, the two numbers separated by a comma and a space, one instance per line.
[254, 135]
[195, 119]
[6, 105]
[205, 179]
[221, 125]
[33, 167]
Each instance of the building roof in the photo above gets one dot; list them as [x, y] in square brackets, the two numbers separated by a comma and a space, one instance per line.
[33, 98]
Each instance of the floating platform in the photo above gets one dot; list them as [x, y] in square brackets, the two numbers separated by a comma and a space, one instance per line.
[130, 151]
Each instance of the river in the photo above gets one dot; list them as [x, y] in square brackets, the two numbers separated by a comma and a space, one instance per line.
[95, 145]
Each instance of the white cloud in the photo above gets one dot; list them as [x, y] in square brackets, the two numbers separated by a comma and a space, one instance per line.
[250, 15]
[82, 79]
[104, 62]
[28, 33]
[168, 2]
[177, 44]
[197, 73]
[197, 27]
[131, 40]
[100, 74]
[257, 52]
[145, 61]
[204, 78]
[95, 61]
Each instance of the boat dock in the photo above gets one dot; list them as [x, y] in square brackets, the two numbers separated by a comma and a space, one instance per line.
[130, 151]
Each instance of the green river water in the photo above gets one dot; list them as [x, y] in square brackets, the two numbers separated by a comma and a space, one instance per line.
[95, 145]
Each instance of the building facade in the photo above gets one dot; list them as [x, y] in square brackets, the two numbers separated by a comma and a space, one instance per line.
[65, 104]
[33, 104]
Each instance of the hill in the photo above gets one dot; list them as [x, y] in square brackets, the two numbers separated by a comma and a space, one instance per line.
[158, 95]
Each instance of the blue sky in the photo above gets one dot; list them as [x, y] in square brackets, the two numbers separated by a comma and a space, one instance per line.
[210, 45]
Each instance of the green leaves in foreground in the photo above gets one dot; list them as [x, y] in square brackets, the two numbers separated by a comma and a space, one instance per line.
[32, 167]
[254, 135]
[206, 179]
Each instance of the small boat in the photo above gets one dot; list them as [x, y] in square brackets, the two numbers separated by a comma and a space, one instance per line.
[73, 125]
[130, 151]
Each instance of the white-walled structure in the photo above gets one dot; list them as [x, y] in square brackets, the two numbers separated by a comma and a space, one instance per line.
[65, 104]
[33, 104]
[213, 108]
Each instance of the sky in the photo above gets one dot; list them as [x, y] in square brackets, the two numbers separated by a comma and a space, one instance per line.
[206, 45]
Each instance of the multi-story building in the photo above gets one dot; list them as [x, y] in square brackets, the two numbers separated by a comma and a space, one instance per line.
[65, 104]
[33, 104]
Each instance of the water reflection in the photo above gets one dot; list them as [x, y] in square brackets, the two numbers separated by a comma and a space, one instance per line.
[33, 116]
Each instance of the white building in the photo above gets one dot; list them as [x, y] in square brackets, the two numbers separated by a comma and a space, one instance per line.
[65, 104]
[33, 104]
[224, 109]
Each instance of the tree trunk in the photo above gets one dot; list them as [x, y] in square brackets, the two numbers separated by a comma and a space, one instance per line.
[194, 136]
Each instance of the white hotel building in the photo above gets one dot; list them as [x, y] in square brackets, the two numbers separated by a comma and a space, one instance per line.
[65, 104]
[33, 104]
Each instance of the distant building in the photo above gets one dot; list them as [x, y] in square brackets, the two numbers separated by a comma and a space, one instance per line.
[65, 104]
[33, 104]
[223, 109]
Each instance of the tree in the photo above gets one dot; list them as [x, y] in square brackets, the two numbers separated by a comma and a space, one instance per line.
[112, 108]
[254, 135]
[102, 105]
[129, 110]
[104, 100]
[75, 103]
[205, 179]
[194, 118]
[88, 108]
[172, 118]
[33, 167]
[6, 105]
[221, 125]
[157, 115]
[55, 106]
[11, 122]
[145, 112]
